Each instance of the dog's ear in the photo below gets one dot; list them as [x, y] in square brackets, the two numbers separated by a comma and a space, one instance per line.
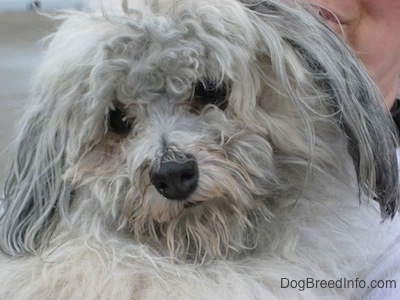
[372, 136]
[359, 111]
[348, 90]
[37, 193]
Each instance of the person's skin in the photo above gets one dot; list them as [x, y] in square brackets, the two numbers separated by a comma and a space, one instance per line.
[372, 28]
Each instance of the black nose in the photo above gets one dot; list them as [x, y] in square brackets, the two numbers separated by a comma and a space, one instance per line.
[176, 178]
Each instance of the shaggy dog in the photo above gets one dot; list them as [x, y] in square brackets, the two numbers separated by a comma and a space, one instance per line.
[202, 149]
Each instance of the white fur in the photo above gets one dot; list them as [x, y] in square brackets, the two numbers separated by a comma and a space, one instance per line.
[287, 171]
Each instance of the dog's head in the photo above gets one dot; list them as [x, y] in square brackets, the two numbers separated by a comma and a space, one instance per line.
[180, 122]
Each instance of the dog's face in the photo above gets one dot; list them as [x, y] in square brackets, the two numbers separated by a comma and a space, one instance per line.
[164, 128]
[184, 121]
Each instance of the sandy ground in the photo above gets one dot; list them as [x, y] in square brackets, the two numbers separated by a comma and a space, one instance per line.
[19, 56]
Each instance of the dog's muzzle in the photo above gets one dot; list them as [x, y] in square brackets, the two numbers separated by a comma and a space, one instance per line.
[175, 178]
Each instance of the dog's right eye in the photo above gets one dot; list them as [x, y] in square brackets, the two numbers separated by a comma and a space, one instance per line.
[118, 122]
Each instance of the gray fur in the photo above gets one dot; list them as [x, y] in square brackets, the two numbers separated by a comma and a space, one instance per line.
[287, 170]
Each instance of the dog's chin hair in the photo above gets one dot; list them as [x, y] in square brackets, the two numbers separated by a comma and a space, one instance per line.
[189, 237]
[216, 228]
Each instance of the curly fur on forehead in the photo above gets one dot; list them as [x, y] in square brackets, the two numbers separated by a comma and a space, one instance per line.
[171, 142]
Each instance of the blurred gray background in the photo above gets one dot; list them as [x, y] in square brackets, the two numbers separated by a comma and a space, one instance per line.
[20, 30]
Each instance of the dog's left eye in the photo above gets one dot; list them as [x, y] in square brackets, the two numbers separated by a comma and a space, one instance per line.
[209, 92]
[118, 122]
